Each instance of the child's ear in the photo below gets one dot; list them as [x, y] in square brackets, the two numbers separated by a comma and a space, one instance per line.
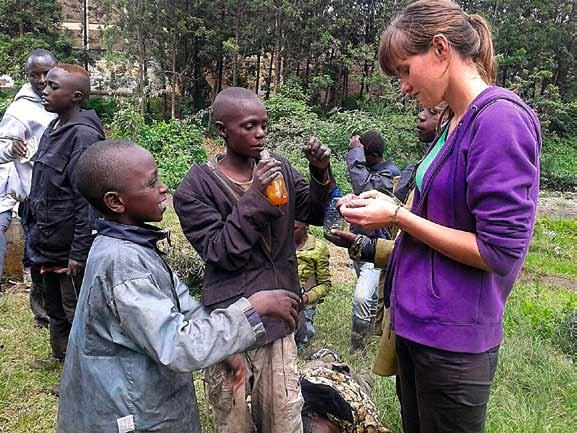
[113, 202]
[220, 129]
[78, 97]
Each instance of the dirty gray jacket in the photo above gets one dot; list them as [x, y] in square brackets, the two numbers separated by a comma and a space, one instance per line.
[136, 337]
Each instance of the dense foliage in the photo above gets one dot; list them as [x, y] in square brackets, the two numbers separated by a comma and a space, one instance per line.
[175, 144]
[26, 25]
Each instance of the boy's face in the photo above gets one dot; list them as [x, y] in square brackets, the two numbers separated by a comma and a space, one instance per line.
[143, 198]
[244, 129]
[427, 125]
[37, 73]
[60, 93]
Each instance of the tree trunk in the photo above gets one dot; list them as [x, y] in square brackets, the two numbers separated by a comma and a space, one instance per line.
[173, 98]
[269, 77]
[257, 72]
[277, 48]
[237, 43]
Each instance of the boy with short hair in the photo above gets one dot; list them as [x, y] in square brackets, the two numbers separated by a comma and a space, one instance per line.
[61, 220]
[21, 129]
[248, 246]
[138, 334]
[368, 171]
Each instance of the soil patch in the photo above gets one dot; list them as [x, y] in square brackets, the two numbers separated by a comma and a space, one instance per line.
[562, 205]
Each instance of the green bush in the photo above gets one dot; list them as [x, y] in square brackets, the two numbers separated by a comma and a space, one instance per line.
[176, 144]
[5, 100]
[559, 164]
[106, 108]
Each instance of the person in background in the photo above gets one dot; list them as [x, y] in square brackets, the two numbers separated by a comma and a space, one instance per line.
[368, 170]
[315, 276]
[62, 221]
[465, 238]
[21, 128]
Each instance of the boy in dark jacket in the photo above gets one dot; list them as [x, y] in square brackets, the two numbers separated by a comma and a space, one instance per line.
[248, 245]
[61, 220]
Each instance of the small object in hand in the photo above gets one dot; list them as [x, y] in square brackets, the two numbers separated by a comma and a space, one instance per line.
[333, 219]
[276, 191]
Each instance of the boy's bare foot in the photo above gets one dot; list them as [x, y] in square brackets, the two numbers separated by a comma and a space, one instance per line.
[280, 304]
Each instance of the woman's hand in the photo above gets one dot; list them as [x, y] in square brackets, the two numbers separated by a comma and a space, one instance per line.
[344, 200]
[372, 210]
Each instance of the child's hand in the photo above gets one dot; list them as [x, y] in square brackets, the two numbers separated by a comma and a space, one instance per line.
[236, 368]
[343, 239]
[355, 142]
[318, 155]
[280, 304]
[266, 171]
[19, 149]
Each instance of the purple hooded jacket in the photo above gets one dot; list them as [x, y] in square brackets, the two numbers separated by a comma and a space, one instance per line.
[485, 180]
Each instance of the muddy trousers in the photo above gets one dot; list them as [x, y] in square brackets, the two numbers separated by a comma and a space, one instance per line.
[272, 383]
[441, 391]
[60, 296]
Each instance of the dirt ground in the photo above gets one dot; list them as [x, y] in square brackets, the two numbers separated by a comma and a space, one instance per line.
[558, 204]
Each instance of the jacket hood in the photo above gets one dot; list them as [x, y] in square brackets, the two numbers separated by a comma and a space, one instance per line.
[493, 93]
[87, 118]
[27, 93]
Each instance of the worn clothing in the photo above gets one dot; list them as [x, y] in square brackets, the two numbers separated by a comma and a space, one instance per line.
[272, 382]
[365, 178]
[314, 269]
[61, 220]
[435, 300]
[331, 391]
[26, 119]
[315, 278]
[138, 335]
[60, 294]
[443, 392]
[365, 295]
[5, 218]
[247, 243]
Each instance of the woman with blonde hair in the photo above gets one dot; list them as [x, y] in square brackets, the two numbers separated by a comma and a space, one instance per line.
[465, 238]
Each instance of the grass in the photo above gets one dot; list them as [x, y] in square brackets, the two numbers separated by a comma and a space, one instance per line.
[535, 387]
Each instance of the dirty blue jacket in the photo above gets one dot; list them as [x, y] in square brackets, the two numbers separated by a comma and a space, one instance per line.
[136, 337]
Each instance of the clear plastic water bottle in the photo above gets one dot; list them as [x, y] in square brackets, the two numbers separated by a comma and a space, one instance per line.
[333, 219]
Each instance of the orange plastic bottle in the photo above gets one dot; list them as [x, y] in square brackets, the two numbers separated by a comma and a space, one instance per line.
[276, 191]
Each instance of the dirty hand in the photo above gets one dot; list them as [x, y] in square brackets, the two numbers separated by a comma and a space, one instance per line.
[279, 304]
[266, 171]
[343, 239]
[74, 268]
[318, 155]
[355, 142]
[19, 149]
[236, 369]
[370, 213]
